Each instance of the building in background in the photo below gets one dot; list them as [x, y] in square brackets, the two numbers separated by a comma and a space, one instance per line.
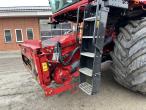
[18, 24]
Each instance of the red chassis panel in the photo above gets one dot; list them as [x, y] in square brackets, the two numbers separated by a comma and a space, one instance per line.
[38, 59]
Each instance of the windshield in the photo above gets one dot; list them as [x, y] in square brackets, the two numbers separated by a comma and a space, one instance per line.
[57, 5]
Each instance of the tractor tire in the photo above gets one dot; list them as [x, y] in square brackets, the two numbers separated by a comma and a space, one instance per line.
[129, 56]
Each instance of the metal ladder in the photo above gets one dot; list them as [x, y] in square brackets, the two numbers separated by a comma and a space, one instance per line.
[92, 46]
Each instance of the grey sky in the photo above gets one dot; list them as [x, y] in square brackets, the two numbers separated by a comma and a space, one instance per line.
[8, 3]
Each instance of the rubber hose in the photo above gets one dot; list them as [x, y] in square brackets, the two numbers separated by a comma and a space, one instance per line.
[60, 55]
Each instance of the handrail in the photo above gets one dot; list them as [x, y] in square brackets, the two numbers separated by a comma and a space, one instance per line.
[78, 14]
[95, 24]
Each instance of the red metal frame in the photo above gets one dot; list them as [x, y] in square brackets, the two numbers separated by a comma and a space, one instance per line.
[71, 8]
[137, 3]
[32, 48]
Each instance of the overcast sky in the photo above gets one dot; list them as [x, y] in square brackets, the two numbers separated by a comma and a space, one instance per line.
[8, 3]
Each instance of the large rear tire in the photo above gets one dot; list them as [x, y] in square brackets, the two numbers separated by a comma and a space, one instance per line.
[129, 56]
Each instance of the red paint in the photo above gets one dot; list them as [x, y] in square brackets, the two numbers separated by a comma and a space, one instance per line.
[138, 3]
[71, 8]
[56, 72]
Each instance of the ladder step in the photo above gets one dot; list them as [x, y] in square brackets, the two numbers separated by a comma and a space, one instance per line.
[90, 19]
[88, 54]
[86, 37]
[86, 87]
[86, 71]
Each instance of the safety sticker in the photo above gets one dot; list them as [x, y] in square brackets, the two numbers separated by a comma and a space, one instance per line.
[45, 67]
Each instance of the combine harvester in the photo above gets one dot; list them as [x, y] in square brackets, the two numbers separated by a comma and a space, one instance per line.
[112, 30]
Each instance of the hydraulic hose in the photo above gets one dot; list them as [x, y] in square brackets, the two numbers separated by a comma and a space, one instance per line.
[61, 59]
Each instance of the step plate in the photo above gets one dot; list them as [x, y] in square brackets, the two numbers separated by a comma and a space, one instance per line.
[117, 3]
[86, 71]
[87, 37]
[90, 19]
[86, 87]
[88, 54]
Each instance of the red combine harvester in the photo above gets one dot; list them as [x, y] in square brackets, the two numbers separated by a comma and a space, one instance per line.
[111, 30]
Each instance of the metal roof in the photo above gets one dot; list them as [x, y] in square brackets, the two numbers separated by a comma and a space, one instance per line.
[25, 11]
